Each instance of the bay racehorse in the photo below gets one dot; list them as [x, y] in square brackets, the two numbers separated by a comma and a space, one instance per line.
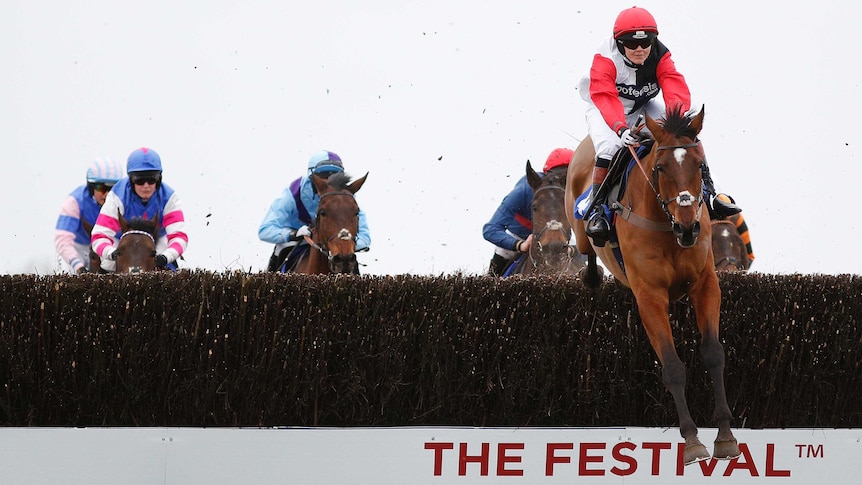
[333, 232]
[550, 252]
[136, 251]
[663, 232]
[728, 248]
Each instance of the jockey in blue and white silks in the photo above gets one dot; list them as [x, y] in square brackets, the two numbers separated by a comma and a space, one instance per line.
[290, 215]
[80, 209]
[142, 194]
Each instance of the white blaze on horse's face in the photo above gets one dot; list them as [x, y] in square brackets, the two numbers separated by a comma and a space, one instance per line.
[679, 155]
[344, 235]
[554, 225]
[684, 199]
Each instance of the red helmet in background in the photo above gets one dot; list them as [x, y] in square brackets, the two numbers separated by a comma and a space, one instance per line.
[559, 157]
[634, 20]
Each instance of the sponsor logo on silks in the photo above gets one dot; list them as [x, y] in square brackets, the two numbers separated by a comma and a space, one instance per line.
[640, 34]
[630, 92]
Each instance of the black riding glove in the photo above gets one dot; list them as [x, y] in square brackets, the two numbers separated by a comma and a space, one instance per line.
[161, 260]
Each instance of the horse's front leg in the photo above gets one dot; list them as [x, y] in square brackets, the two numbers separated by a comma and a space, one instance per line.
[652, 301]
[591, 274]
[706, 298]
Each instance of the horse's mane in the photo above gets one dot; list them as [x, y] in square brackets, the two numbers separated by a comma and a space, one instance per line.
[338, 180]
[142, 224]
[678, 123]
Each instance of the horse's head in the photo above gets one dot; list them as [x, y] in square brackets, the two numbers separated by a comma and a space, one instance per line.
[676, 164]
[136, 251]
[551, 228]
[337, 223]
[728, 248]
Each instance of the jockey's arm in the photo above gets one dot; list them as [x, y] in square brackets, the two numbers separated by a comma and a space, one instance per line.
[174, 222]
[363, 238]
[279, 223]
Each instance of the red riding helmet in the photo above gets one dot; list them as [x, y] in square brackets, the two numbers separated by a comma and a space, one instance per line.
[632, 20]
[558, 158]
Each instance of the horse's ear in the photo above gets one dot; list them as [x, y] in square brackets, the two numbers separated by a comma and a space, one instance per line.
[155, 221]
[354, 186]
[319, 184]
[532, 177]
[124, 226]
[697, 121]
[653, 126]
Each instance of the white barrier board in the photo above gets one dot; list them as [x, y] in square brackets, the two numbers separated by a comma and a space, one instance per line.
[420, 455]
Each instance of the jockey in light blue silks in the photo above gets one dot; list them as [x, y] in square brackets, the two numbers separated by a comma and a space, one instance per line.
[290, 216]
[81, 208]
[142, 194]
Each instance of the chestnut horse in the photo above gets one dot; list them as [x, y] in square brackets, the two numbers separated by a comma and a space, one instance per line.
[728, 248]
[550, 252]
[333, 234]
[663, 232]
[136, 251]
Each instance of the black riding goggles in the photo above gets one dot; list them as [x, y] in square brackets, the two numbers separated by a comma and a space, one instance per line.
[101, 187]
[146, 180]
[634, 44]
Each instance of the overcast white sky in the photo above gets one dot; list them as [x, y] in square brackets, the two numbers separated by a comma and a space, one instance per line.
[442, 102]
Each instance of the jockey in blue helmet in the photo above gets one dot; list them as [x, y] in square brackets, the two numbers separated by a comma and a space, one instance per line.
[289, 217]
[79, 211]
[142, 194]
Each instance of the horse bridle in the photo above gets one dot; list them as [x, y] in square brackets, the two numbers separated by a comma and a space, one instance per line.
[144, 233]
[684, 198]
[135, 231]
[342, 234]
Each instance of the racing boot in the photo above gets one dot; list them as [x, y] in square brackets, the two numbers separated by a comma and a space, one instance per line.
[598, 228]
[498, 265]
[718, 207]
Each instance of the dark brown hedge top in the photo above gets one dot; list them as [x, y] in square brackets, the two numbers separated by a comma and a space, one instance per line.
[229, 349]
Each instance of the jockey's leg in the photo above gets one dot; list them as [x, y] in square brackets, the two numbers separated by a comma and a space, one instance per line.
[718, 207]
[498, 265]
[598, 227]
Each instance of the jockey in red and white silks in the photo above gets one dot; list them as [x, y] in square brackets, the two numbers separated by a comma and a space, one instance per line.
[619, 91]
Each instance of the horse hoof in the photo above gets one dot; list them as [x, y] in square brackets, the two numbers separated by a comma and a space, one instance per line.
[590, 279]
[695, 452]
[726, 449]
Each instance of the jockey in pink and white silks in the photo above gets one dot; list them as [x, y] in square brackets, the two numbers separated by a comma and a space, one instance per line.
[81, 207]
[142, 194]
